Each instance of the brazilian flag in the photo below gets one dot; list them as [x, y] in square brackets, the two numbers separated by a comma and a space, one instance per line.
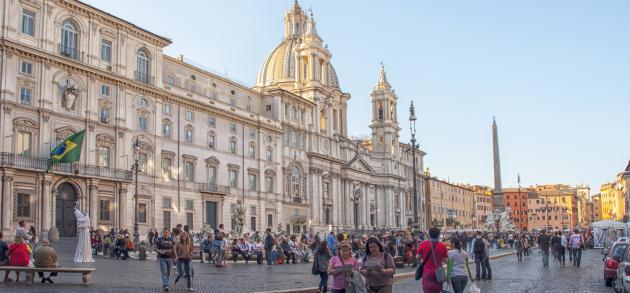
[67, 151]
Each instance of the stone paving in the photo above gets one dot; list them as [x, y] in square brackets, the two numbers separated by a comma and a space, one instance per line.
[529, 276]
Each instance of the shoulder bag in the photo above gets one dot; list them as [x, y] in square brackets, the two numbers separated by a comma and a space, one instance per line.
[440, 274]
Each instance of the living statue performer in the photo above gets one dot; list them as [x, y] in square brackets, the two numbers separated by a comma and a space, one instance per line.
[84, 248]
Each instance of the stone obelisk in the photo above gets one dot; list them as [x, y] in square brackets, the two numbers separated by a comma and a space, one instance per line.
[497, 193]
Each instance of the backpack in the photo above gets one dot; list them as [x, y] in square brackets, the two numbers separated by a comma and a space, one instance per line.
[479, 246]
[576, 242]
[217, 244]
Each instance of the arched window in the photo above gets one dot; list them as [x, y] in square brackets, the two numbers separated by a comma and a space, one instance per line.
[143, 69]
[166, 128]
[69, 40]
[296, 177]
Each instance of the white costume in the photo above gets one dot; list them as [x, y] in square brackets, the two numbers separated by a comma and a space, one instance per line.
[84, 248]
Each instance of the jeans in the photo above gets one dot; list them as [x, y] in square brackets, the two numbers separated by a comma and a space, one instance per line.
[165, 269]
[487, 263]
[183, 266]
[459, 283]
[561, 255]
[545, 257]
[480, 265]
[323, 281]
[268, 256]
[577, 256]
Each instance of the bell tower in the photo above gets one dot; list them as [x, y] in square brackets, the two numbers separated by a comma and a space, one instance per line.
[384, 118]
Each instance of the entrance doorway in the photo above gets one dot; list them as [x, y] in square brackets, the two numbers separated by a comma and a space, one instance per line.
[66, 222]
[211, 214]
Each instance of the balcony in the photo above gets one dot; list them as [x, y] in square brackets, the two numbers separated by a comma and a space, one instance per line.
[298, 200]
[213, 188]
[70, 52]
[41, 164]
[143, 77]
[297, 219]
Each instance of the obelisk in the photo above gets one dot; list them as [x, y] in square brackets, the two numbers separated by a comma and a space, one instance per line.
[497, 193]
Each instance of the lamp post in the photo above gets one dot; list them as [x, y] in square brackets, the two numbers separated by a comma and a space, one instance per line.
[412, 128]
[136, 167]
[355, 198]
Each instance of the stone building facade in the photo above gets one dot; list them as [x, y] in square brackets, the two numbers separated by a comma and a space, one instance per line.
[451, 205]
[203, 142]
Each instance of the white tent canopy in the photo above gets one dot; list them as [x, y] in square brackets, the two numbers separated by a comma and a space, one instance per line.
[606, 232]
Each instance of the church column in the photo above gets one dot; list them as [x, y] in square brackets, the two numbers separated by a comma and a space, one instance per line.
[388, 206]
[365, 206]
[122, 207]
[93, 193]
[347, 204]
[46, 206]
[7, 202]
[329, 124]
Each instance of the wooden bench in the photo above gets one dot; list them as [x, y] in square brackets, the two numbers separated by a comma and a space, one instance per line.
[30, 272]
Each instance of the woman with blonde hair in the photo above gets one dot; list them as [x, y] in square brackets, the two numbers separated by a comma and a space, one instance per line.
[183, 253]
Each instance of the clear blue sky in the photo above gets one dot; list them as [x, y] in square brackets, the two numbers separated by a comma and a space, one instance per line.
[555, 73]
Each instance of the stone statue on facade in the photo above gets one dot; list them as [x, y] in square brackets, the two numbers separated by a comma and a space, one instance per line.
[70, 95]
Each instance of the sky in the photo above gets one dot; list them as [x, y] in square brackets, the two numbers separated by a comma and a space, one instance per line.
[556, 74]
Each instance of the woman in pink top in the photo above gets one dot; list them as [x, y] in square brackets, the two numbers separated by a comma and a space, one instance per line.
[341, 266]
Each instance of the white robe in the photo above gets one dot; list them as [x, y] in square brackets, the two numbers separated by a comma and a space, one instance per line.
[84, 247]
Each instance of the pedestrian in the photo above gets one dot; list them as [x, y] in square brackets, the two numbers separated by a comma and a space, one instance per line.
[165, 249]
[19, 256]
[544, 244]
[378, 268]
[457, 269]
[342, 266]
[561, 248]
[150, 237]
[518, 245]
[555, 243]
[4, 260]
[322, 257]
[577, 244]
[479, 255]
[526, 245]
[330, 240]
[245, 249]
[183, 253]
[269, 242]
[487, 255]
[45, 256]
[22, 232]
[257, 249]
[432, 253]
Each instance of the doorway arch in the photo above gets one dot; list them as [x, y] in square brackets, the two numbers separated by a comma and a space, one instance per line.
[65, 220]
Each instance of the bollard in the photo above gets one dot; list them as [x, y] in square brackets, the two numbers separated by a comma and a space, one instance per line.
[142, 251]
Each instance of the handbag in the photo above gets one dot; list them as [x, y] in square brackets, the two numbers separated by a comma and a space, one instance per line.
[315, 268]
[440, 274]
[420, 268]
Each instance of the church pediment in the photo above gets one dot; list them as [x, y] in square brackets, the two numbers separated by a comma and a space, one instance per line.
[359, 164]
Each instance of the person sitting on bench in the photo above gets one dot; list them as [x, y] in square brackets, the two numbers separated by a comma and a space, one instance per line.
[45, 256]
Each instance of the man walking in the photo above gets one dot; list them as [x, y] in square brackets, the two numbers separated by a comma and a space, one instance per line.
[576, 241]
[544, 243]
[330, 241]
[165, 248]
[268, 245]
[479, 252]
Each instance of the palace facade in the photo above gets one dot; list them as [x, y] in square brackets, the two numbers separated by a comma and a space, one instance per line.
[201, 141]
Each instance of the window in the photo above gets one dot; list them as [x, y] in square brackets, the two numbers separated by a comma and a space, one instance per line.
[269, 220]
[142, 72]
[28, 23]
[295, 181]
[189, 115]
[234, 178]
[232, 127]
[142, 102]
[189, 169]
[233, 146]
[269, 184]
[69, 40]
[294, 142]
[142, 213]
[212, 176]
[103, 156]
[104, 115]
[105, 90]
[23, 205]
[252, 151]
[166, 130]
[211, 140]
[252, 182]
[268, 108]
[170, 80]
[269, 154]
[25, 96]
[166, 203]
[252, 133]
[166, 109]
[26, 68]
[212, 122]
[167, 164]
[189, 204]
[24, 143]
[189, 220]
[166, 218]
[189, 135]
[142, 124]
[326, 190]
[143, 159]
[104, 211]
[106, 51]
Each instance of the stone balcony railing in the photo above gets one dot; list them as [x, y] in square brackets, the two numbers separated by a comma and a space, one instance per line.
[213, 188]
[41, 164]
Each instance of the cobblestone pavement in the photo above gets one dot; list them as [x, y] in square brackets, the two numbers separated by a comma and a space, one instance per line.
[529, 276]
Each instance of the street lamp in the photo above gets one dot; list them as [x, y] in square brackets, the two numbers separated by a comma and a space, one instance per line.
[136, 167]
[355, 198]
[412, 128]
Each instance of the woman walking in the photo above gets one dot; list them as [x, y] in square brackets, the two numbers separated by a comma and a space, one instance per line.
[183, 253]
[432, 253]
[518, 245]
[457, 259]
[378, 268]
[562, 248]
[342, 267]
[322, 258]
